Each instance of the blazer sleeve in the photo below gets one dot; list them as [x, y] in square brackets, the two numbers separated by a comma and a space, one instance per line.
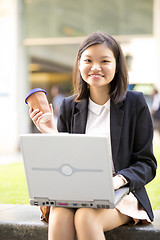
[65, 119]
[142, 168]
[61, 124]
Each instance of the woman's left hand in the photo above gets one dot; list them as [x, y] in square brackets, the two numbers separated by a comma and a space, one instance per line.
[117, 182]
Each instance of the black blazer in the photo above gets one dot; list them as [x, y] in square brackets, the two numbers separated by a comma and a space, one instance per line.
[131, 139]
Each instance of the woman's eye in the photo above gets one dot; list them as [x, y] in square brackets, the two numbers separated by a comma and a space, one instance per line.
[105, 61]
[87, 60]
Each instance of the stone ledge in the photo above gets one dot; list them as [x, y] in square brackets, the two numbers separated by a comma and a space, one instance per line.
[22, 222]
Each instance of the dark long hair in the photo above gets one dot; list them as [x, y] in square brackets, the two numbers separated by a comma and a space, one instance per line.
[119, 84]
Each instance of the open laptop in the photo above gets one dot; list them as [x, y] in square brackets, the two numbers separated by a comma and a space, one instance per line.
[69, 170]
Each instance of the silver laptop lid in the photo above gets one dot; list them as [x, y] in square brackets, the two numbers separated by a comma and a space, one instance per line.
[68, 167]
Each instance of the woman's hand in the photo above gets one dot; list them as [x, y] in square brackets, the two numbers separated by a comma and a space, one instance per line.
[44, 127]
[118, 182]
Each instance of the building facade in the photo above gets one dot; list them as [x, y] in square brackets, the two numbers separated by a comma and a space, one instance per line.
[40, 39]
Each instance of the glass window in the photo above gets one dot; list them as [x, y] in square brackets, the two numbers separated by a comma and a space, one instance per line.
[59, 18]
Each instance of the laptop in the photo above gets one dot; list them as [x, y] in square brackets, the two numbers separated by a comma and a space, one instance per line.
[69, 170]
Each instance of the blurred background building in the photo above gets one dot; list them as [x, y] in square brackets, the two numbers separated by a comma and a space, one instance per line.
[39, 41]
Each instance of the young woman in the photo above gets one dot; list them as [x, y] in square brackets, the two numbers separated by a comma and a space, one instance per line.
[102, 105]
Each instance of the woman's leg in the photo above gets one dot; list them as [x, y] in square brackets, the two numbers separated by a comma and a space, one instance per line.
[61, 224]
[90, 224]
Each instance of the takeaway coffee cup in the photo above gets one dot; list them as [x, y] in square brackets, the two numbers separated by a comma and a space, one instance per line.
[37, 99]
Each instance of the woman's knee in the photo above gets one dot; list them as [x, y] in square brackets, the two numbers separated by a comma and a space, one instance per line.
[61, 216]
[84, 217]
[61, 224]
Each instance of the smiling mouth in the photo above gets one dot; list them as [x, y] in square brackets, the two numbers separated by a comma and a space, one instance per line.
[96, 75]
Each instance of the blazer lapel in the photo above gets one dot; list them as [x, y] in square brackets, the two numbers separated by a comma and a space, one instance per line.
[80, 117]
[116, 123]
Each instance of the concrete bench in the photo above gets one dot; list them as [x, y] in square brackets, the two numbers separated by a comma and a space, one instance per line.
[22, 222]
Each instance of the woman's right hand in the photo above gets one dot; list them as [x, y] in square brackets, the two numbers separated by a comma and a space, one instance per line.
[44, 127]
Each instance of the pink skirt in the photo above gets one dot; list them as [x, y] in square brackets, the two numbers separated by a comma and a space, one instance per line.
[129, 206]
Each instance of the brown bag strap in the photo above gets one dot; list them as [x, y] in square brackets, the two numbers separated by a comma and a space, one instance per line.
[45, 213]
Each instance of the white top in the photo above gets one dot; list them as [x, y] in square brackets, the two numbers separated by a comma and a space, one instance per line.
[98, 121]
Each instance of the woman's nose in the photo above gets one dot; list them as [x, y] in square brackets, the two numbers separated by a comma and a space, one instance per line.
[96, 67]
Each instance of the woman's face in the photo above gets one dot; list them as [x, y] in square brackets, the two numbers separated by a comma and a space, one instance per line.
[97, 65]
